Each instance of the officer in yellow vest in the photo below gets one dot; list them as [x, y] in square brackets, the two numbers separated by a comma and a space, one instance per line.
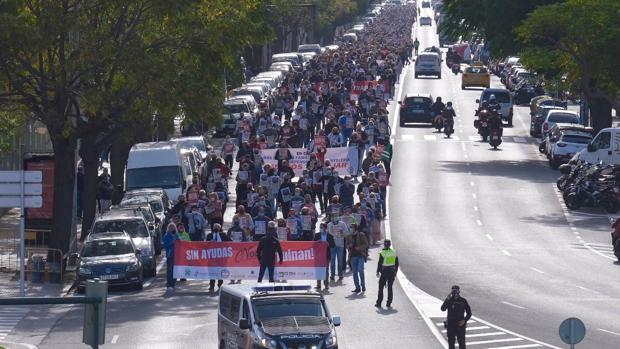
[387, 267]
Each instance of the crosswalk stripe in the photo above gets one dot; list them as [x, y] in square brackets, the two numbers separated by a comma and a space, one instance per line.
[406, 137]
[430, 137]
[515, 339]
[519, 346]
[474, 138]
[487, 334]
[519, 139]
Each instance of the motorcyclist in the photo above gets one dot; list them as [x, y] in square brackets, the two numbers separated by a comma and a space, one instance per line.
[495, 121]
[615, 235]
[494, 107]
[448, 116]
[437, 108]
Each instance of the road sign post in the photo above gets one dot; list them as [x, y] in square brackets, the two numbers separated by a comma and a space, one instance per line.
[23, 189]
[93, 332]
[572, 331]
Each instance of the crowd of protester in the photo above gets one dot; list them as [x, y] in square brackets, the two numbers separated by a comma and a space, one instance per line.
[315, 108]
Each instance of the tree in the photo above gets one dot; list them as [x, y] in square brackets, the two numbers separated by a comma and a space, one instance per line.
[579, 38]
[90, 69]
[494, 20]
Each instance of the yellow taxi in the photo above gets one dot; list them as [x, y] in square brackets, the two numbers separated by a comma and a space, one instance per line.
[476, 75]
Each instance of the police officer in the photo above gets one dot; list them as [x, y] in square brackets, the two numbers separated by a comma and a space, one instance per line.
[459, 313]
[387, 267]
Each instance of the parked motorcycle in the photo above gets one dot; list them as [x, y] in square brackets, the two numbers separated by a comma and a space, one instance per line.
[588, 193]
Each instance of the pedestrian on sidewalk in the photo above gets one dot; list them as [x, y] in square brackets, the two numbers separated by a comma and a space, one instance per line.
[459, 313]
[387, 267]
[268, 247]
[168, 241]
[358, 249]
[416, 45]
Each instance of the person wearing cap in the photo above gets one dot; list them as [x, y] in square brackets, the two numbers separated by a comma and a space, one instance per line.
[323, 235]
[459, 313]
[387, 267]
[268, 247]
[197, 223]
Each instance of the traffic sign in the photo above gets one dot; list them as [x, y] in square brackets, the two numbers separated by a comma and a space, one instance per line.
[9, 189]
[15, 201]
[572, 331]
[14, 177]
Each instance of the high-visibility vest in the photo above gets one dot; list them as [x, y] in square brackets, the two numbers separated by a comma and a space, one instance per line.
[389, 257]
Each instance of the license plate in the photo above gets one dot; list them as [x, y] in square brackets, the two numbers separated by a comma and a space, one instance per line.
[418, 111]
[109, 277]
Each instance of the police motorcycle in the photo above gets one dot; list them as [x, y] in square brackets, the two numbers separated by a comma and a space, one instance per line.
[482, 124]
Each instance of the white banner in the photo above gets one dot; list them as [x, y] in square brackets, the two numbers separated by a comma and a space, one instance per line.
[343, 159]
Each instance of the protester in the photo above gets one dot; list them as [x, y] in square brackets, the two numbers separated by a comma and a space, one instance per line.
[168, 241]
[268, 247]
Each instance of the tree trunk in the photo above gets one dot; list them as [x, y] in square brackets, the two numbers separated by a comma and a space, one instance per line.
[118, 161]
[600, 113]
[90, 158]
[64, 182]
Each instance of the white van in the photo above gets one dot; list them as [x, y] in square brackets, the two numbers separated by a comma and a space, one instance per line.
[604, 147]
[428, 63]
[157, 165]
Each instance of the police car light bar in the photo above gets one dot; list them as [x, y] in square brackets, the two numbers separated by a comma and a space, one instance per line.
[276, 288]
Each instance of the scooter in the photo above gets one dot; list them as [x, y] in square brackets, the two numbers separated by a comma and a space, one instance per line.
[448, 127]
[495, 138]
[456, 69]
[437, 123]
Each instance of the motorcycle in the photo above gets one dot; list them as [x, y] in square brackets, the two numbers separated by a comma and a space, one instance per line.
[456, 68]
[448, 127]
[482, 124]
[587, 193]
[617, 249]
[438, 123]
[495, 137]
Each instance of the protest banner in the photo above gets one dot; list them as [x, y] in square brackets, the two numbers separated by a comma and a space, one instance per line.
[343, 159]
[303, 260]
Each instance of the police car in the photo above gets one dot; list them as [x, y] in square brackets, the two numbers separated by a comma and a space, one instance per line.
[277, 316]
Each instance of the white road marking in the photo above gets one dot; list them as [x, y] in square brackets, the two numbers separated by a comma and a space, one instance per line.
[474, 196]
[114, 339]
[610, 332]
[518, 346]
[466, 156]
[537, 270]
[475, 208]
[489, 237]
[519, 139]
[513, 305]
[479, 222]
[487, 334]
[584, 288]
[516, 339]
[463, 146]
[406, 137]
[471, 184]
[160, 266]
[572, 226]
[430, 137]
[474, 138]
[506, 253]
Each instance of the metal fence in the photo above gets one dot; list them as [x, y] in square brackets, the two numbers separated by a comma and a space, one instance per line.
[33, 137]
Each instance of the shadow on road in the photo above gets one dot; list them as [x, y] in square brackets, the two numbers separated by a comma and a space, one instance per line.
[525, 170]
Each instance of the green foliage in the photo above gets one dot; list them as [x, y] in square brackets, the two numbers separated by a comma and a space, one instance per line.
[494, 20]
[580, 38]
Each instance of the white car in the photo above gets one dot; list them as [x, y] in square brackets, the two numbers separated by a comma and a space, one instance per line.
[503, 98]
[564, 144]
[426, 20]
[428, 63]
[558, 116]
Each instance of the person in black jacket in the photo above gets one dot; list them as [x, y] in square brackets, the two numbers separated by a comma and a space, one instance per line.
[459, 313]
[216, 235]
[266, 251]
[323, 235]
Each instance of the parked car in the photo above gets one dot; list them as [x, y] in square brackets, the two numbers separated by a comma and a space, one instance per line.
[109, 256]
[428, 63]
[558, 116]
[154, 221]
[564, 141]
[158, 193]
[134, 224]
[292, 57]
[537, 120]
[197, 142]
[504, 99]
[416, 108]
[316, 48]
[285, 67]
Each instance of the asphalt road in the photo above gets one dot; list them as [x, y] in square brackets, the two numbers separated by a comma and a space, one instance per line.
[491, 222]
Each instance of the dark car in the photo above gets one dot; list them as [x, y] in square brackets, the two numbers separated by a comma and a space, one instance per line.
[416, 108]
[109, 256]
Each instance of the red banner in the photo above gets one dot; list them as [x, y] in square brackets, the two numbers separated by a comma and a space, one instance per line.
[303, 260]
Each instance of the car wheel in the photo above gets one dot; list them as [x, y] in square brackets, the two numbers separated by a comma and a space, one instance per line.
[80, 290]
[222, 345]
[415, 75]
[462, 87]
[439, 76]
[542, 147]
[510, 120]
[554, 164]
[402, 124]
[138, 286]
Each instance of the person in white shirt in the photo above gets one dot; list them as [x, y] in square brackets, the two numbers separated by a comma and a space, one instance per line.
[338, 230]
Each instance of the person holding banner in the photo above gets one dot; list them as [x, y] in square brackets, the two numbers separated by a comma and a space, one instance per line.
[323, 235]
[167, 242]
[216, 235]
[268, 247]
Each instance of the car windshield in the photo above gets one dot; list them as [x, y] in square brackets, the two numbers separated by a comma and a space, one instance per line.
[191, 143]
[427, 58]
[501, 97]
[154, 177]
[576, 139]
[563, 118]
[267, 309]
[155, 205]
[106, 248]
[417, 102]
[134, 227]
[476, 70]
